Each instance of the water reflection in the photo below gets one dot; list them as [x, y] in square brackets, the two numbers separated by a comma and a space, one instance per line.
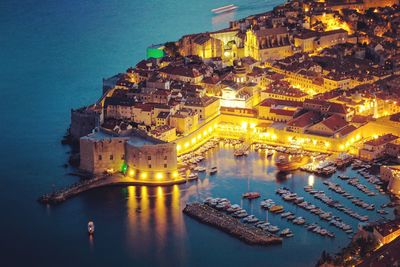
[155, 217]
[311, 180]
[222, 20]
[91, 242]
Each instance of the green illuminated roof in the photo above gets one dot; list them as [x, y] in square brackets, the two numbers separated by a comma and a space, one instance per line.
[155, 51]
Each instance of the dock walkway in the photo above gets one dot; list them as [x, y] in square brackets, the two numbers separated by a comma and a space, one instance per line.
[230, 225]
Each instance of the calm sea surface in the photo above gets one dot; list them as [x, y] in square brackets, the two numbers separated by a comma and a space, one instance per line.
[53, 55]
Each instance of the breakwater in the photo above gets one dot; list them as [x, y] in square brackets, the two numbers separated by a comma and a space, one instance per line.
[113, 180]
[230, 225]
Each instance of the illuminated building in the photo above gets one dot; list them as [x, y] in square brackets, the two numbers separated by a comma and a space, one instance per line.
[185, 121]
[100, 151]
[202, 45]
[143, 158]
[152, 161]
[181, 73]
[376, 148]
[387, 232]
[164, 132]
[309, 40]
[268, 44]
[204, 106]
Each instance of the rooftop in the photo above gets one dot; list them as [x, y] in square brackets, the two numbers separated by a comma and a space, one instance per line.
[381, 140]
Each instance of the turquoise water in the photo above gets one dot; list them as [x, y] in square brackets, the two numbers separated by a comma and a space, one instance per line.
[53, 55]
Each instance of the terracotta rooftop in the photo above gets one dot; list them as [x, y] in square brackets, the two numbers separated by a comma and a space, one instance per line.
[305, 119]
[269, 102]
[334, 123]
[119, 101]
[381, 140]
[347, 129]
[200, 101]
[283, 112]
[181, 71]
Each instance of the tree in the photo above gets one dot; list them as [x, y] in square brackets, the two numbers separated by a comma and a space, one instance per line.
[171, 49]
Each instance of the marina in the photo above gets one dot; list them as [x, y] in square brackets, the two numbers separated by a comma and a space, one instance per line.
[331, 221]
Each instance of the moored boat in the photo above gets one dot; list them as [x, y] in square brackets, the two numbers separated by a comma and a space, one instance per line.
[251, 195]
[290, 163]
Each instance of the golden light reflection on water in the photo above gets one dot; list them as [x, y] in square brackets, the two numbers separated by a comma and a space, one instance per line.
[311, 180]
[154, 214]
[256, 165]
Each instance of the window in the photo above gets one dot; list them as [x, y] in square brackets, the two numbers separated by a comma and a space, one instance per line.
[123, 156]
[111, 157]
[149, 157]
[165, 165]
[149, 166]
[99, 157]
[165, 157]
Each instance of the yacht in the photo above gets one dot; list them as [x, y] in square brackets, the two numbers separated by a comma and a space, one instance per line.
[250, 219]
[285, 232]
[276, 208]
[272, 228]
[213, 170]
[251, 195]
[90, 228]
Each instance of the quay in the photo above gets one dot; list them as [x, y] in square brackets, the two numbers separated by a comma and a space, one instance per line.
[232, 226]
[110, 180]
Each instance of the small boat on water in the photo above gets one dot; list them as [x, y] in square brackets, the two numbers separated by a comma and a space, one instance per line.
[250, 219]
[193, 176]
[290, 163]
[276, 208]
[285, 232]
[251, 195]
[90, 228]
[224, 9]
[200, 169]
[213, 170]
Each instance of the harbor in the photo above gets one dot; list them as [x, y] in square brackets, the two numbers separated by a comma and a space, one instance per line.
[221, 174]
[317, 209]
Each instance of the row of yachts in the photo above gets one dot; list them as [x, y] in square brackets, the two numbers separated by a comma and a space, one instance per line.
[234, 210]
[336, 221]
[373, 179]
[193, 159]
[355, 200]
[270, 205]
[355, 182]
[320, 195]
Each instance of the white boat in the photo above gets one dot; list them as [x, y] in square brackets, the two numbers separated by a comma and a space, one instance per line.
[200, 169]
[285, 232]
[90, 228]
[250, 219]
[272, 228]
[193, 176]
[223, 9]
[213, 170]
[233, 208]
